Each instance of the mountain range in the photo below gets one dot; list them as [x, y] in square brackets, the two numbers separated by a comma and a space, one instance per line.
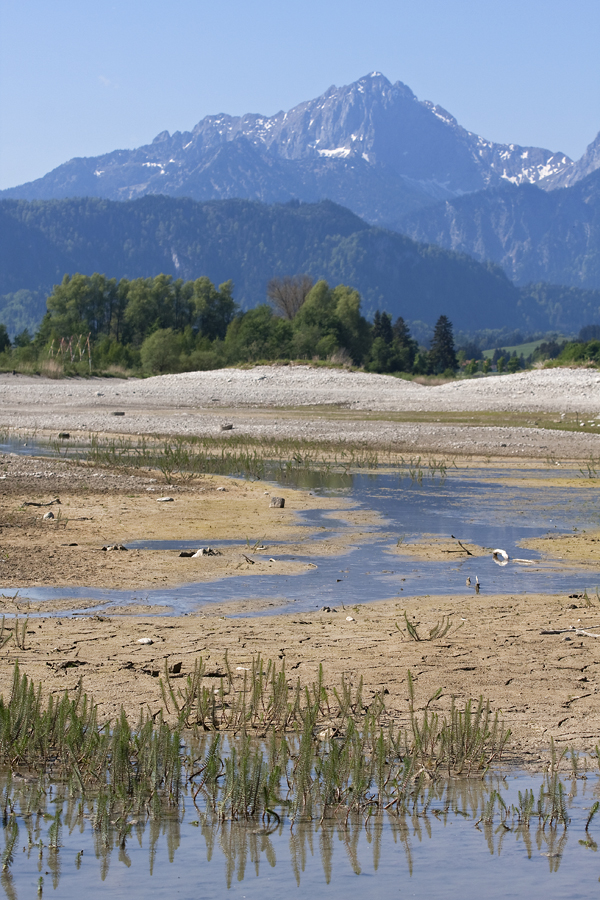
[399, 163]
[534, 235]
[372, 146]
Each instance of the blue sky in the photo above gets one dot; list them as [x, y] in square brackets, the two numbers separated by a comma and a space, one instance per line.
[82, 78]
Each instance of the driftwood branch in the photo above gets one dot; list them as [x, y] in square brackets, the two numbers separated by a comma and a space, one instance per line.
[468, 552]
[580, 632]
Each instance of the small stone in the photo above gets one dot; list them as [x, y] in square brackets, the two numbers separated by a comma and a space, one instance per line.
[277, 502]
[164, 500]
[117, 414]
[145, 641]
[48, 515]
[227, 426]
[64, 435]
[350, 619]
[221, 489]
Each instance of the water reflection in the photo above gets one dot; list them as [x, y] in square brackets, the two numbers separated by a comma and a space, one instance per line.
[52, 834]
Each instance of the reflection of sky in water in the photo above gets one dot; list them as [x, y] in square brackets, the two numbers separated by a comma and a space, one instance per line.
[437, 855]
[475, 507]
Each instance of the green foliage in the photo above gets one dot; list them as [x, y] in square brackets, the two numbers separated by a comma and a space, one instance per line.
[158, 325]
[22, 309]
[577, 352]
[442, 355]
[258, 335]
[161, 351]
[251, 243]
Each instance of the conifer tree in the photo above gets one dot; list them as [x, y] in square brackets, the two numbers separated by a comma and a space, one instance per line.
[402, 333]
[382, 327]
[442, 355]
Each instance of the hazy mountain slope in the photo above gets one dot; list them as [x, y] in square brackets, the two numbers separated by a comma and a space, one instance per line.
[534, 235]
[250, 243]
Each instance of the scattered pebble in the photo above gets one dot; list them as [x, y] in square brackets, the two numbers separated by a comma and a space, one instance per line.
[164, 500]
[145, 641]
[350, 619]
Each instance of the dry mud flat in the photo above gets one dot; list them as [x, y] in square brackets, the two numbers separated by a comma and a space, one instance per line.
[543, 685]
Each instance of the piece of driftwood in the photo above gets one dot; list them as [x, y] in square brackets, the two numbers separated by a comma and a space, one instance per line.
[580, 632]
[49, 503]
[468, 552]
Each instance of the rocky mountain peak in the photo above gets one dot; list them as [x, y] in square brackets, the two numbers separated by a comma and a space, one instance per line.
[371, 145]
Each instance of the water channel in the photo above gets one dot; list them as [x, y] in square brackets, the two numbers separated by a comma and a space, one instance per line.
[495, 509]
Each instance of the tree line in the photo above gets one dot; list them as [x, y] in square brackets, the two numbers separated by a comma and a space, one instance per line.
[159, 325]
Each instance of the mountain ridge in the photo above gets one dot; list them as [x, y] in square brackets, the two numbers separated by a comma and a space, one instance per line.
[372, 146]
[532, 233]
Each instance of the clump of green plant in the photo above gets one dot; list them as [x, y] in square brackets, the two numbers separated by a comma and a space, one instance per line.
[439, 630]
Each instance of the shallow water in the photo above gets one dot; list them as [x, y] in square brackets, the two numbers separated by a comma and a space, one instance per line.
[446, 853]
[476, 506]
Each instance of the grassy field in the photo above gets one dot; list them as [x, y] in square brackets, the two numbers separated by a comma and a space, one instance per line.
[523, 349]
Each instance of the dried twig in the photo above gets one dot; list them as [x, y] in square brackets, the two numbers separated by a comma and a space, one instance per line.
[468, 552]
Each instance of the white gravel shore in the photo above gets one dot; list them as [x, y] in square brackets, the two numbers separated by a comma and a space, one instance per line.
[197, 402]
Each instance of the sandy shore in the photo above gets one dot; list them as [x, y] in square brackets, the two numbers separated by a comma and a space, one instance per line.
[542, 685]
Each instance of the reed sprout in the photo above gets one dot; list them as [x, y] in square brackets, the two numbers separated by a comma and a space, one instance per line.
[262, 750]
[183, 458]
[439, 630]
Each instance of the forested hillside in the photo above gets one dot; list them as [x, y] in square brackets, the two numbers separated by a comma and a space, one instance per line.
[249, 243]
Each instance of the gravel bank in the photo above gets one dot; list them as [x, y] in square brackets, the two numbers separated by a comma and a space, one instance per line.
[258, 401]
[556, 390]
